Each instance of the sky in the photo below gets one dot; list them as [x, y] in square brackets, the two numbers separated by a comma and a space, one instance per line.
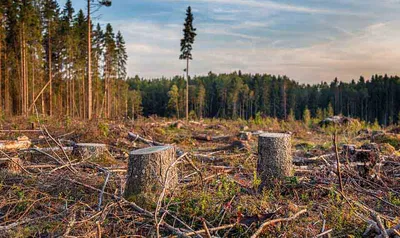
[308, 40]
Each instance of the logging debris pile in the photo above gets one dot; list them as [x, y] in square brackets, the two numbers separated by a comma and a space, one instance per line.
[64, 180]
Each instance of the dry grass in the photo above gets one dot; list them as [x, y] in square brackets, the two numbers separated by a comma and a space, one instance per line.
[65, 202]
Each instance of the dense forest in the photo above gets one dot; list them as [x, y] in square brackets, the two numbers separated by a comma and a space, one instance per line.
[238, 95]
[43, 61]
[43, 68]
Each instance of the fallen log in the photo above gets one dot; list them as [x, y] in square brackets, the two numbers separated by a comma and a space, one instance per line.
[22, 142]
[202, 137]
[20, 131]
[89, 150]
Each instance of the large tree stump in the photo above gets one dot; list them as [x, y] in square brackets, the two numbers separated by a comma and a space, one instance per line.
[11, 165]
[89, 150]
[274, 158]
[149, 170]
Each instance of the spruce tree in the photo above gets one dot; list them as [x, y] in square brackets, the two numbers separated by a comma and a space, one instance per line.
[122, 56]
[189, 34]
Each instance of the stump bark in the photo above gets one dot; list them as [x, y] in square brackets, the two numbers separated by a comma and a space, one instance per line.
[149, 170]
[11, 165]
[274, 158]
[89, 150]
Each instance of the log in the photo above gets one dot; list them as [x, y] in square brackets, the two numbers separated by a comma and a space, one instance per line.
[89, 150]
[149, 170]
[274, 158]
[21, 143]
[202, 137]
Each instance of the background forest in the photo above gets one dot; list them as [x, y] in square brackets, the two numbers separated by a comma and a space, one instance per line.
[43, 55]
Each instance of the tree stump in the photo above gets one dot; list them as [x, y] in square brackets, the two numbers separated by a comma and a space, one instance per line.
[274, 158]
[11, 165]
[89, 150]
[149, 170]
[244, 135]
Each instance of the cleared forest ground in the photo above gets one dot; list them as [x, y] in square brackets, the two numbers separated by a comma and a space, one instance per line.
[47, 191]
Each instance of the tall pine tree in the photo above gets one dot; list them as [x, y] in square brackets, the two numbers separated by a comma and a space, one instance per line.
[189, 34]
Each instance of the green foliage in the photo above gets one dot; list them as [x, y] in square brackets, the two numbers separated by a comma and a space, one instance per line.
[189, 34]
[256, 181]
[330, 112]
[307, 117]
[258, 119]
[291, 116]
[173, 102]
[394, 198]
[104, 128]
[320, 114]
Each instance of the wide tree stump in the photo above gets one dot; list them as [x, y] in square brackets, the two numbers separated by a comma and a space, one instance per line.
[89, 150]
[11, 165]
[274, 158]
[149, 170]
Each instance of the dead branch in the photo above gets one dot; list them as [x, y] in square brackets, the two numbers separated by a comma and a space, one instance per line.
[272, 222]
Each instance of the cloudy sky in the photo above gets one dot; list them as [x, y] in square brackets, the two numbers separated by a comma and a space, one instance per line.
[307, 40]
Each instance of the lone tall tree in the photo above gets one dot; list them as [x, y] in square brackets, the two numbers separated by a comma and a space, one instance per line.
[100, 3]
[189, 33]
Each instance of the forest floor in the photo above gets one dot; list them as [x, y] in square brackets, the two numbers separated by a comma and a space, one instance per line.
[47, 191]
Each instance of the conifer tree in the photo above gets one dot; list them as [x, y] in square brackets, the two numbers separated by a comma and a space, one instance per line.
[122, 56]
[173, 102]
[189, 34]
[306, 116]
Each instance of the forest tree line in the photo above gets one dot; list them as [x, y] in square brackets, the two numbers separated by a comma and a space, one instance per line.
[43, 62]
[238, 95]
[43, 69]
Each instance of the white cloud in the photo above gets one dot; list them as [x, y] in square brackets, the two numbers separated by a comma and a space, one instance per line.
[266, 4]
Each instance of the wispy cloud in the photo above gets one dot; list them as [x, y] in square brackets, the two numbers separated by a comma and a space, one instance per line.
[308, 40]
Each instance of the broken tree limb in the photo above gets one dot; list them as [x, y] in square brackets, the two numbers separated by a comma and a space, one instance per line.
[272, 222]
[135, 137]
[322, 159]
[20, 131]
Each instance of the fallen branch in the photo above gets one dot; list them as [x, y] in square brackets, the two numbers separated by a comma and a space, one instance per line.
[272, 222]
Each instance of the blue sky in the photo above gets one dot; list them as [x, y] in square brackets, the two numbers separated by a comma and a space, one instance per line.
[307, 40]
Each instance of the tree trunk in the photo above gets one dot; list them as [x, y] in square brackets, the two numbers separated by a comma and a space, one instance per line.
[50, 75]
[149, 171]
[274, 158]
[89, 68]
[6, 88]
[1, 76]
[187, 89]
